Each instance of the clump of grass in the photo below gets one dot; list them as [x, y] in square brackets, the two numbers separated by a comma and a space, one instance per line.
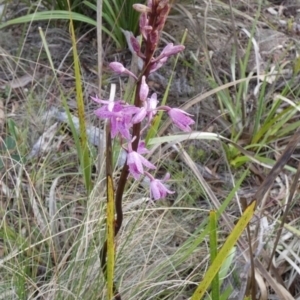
[117, 15]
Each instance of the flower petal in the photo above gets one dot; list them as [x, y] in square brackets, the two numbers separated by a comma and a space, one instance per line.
[146, 162]
[141, 148]
[133, 159]
[134, 172]
[140, 116]
[158, 190]
[180, 119]
[154, 190]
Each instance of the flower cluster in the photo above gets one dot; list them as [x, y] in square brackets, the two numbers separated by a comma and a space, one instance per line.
[125, 118]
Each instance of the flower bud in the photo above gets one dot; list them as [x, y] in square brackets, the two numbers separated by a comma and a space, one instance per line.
[154, 37]
[141, 8]
[117, 67]
[162, 19]
[135, 44]
[144, 25]
[163, 6]
[144, 90]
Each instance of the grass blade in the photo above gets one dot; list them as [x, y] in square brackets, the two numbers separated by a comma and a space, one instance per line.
[85, 159]
[230, 242]
[213, 246]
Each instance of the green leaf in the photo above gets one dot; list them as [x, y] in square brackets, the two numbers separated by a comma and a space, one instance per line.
[226, 293]
[9, 143]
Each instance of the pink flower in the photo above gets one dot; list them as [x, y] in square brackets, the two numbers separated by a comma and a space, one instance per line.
[136, 161]
[180, 119]
[119, 69]
[119, 114]
[158, 64]
[170, 50]
[148, 110]
[152, 104]
[157, 189]
[141, 148]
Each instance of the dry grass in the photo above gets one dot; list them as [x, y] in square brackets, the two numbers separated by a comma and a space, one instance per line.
[51, 232]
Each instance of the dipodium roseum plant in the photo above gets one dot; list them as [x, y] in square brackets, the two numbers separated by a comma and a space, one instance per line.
[130, 122]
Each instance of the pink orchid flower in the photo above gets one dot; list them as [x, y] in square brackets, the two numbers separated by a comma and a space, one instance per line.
[120, 115]
[148, 110]
[136, 161]
[170, 50]
[158, 64]
[180, 119]
[157, 188]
